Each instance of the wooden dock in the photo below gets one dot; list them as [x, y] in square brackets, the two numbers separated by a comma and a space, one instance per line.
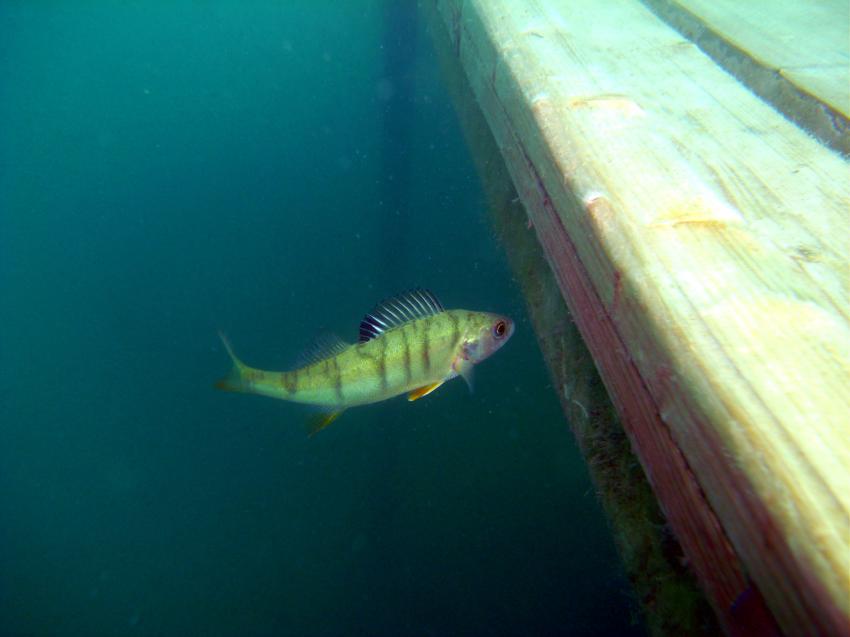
[695, 218]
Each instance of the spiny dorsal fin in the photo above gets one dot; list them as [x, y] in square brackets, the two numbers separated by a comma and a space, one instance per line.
[324, 345]
[397, 310]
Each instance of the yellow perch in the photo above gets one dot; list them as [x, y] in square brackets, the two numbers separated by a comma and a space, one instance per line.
[409, 344]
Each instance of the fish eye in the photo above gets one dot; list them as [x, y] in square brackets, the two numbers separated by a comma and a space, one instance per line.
[499, 329]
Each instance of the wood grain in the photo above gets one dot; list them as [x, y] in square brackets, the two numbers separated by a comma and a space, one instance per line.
[795, 55]
[701, 241]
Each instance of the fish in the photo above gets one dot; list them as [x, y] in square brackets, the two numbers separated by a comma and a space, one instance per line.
[408, 344]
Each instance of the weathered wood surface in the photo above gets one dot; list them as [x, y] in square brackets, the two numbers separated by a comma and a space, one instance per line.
[796, 55]
[671, 601]
[700, 240]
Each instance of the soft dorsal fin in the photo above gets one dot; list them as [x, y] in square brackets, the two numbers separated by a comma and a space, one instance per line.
[397, 310]
[324, 345]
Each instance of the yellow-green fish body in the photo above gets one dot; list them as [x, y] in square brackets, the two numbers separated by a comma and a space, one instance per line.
[408, 345]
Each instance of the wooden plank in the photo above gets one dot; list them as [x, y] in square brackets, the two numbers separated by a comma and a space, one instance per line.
[700, 241]
[670, 598]
[796, 55]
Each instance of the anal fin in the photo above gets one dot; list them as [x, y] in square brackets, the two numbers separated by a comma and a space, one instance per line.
[416, 394]
[319, 421]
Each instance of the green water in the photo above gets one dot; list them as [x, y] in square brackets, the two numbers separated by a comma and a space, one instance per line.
[169, 169]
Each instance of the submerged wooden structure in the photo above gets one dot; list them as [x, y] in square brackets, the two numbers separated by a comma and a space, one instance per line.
[700, 237]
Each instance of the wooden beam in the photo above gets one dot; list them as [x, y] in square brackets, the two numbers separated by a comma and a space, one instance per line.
[670, 599]
[700, 241]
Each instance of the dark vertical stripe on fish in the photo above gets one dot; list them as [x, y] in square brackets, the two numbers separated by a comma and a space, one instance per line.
[338, 380]
[426, 344]
[382, 363]
[407, 370]
[455, 330]
[286, 381]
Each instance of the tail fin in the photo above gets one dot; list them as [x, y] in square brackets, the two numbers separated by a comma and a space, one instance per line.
[234, 381]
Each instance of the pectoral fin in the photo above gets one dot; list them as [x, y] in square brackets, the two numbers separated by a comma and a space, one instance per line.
[465, 369]
[319, 421]
[423, 391]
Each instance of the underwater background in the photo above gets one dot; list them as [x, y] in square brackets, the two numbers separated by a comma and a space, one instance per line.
[270, 169]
